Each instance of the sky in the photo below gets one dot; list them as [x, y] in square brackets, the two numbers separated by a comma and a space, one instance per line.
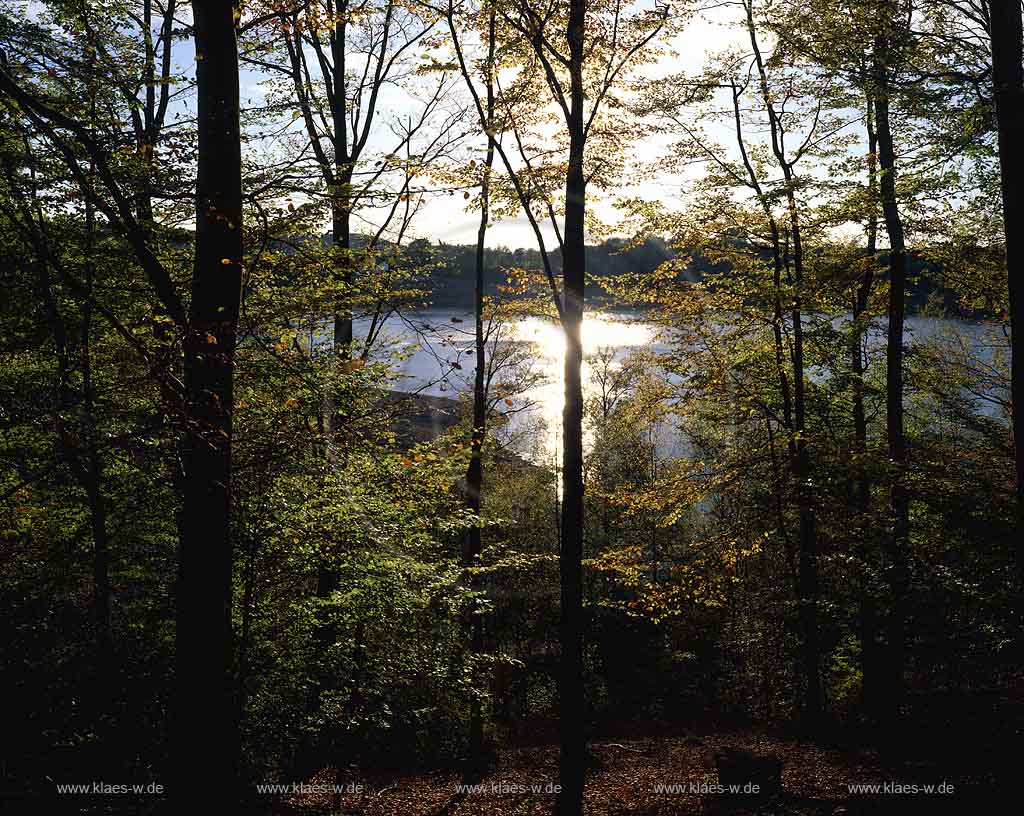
[445, 218]
[448, 220]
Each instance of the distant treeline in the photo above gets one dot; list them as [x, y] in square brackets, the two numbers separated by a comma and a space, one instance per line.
[454, 266]
[453, 269]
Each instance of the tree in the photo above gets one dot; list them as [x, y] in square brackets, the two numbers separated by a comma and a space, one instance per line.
[205, 684]
[808, 549]
[599, 43]
[474, 472]
[771, 92]
[204, 400]
[878, 59]
[335, 65]
[886, 51]
[334, 69]
[905, 73]
[1008, 87]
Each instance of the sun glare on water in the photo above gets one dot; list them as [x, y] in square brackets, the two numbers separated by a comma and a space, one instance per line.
[599, 331]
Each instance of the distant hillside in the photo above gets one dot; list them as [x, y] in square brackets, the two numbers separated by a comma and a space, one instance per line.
[451, 282]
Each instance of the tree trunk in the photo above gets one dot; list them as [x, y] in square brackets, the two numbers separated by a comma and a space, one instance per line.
[897, 542]
[340, 205]
[807, 569]
[860, 305]
[205, 748]
[867, 613]
[342, 245]
[92, 471]
[475, 471]
[325, 633]
[807, 561]
[571, 701]
[1008, 81]
[145, 141]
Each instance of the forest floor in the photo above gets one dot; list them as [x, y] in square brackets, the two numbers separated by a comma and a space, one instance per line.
[635, 777]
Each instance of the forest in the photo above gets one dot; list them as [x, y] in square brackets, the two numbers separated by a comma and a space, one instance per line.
[451, 407]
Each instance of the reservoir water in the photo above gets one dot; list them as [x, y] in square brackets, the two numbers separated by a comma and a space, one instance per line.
[436, 358]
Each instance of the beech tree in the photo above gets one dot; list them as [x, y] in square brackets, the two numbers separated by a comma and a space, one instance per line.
[477, 755]
[343, 75]
[763, 89]
[891, 63]
[205, 684]
[1008, 86]
[205, 701]
[338, 68]
[581, 52]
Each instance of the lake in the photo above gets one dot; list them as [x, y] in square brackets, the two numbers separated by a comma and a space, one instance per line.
[433, 340]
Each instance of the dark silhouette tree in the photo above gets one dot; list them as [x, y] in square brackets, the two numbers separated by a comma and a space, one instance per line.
[1008, 86]
[205, 741]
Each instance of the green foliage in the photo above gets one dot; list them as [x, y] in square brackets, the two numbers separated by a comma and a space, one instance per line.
[352, 596]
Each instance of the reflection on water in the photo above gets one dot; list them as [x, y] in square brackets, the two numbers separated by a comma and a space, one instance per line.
[432, 341]
[620, 334]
